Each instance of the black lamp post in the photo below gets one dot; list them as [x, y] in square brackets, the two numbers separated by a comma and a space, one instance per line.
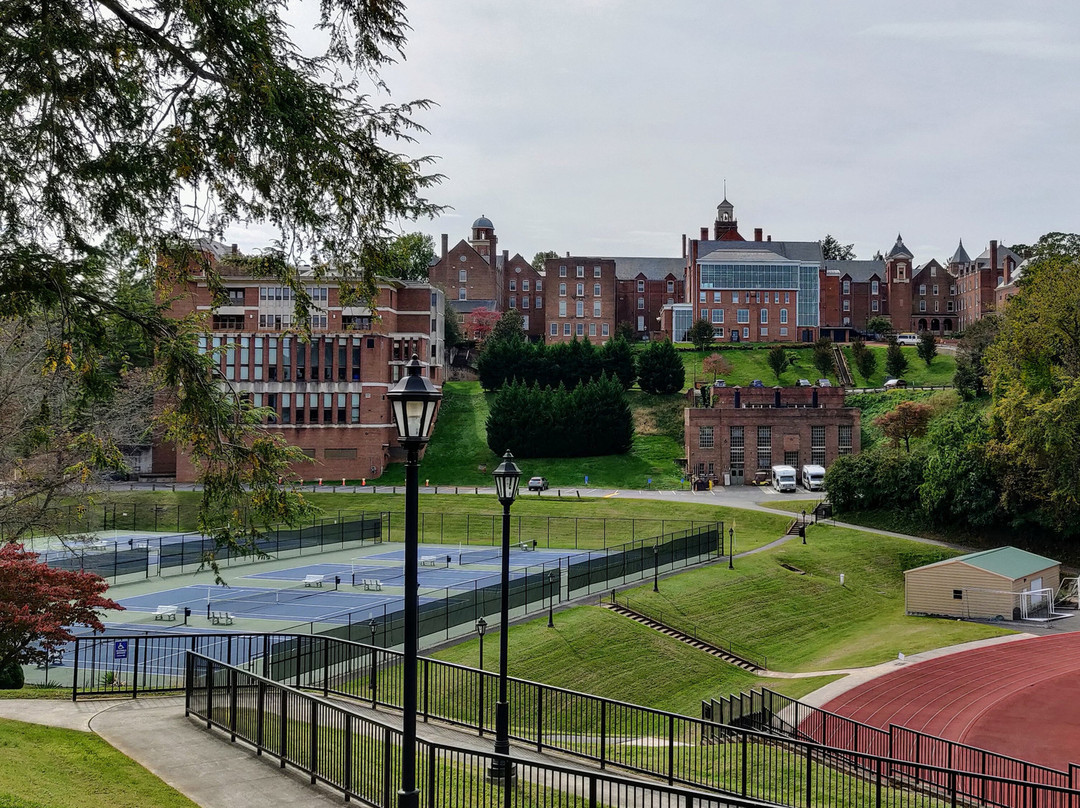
[731, 549]
[373, 627]
[551, 577]
[656, 568]
[802, 527]
[507, 476]
[481, 629]
[413, 401]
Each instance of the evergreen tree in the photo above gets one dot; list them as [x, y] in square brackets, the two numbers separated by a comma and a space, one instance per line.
[824, 360]
[778, 360]
[895, 360]
[617, 358]
[660, 368]
[700, 334]
[509, 328]
[927, 347]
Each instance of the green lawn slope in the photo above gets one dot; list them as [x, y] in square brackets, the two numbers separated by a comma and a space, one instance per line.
[918, 374]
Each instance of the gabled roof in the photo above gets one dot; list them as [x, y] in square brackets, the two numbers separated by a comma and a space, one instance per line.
[1003, 252]
[1008, 562]
[858, 271]
[899, 250]
[803, 251]
[960, 256]
[656, 269]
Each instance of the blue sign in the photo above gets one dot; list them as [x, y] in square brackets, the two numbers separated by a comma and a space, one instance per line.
[586, 479]
[650, 481]
[120, 649]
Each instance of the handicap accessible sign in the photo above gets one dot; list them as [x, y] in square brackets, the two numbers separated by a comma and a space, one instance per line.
[120, 649]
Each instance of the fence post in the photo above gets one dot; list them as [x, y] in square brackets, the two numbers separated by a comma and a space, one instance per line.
[603, 733]
[387, 763]
[260, 717]
[209, 693]
[540, 719]
[75, 674]
[877, 783]
[326, 667]
[135, 671]
[314, 741]
[232, 704]
[347, 782]
[283, 736]
[427, 688]
[809, 775]
[744, 752]
[671, 750]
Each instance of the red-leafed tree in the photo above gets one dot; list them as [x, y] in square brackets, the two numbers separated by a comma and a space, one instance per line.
[909, 420]
[38, 603]
[479, 322]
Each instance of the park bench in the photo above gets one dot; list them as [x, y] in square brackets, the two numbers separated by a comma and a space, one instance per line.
[526, 546]
[429, 560]
[313, 580]
[373, 584]
[165, 613]
[221, 618]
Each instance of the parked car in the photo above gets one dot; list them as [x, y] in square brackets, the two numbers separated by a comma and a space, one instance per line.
[719, 383]
[538, 484]
[757, 383]
[907, 339]
[824, 383]
[803, 383]
[895, 384]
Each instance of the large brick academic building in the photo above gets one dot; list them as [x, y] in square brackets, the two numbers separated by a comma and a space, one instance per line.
[328, 396]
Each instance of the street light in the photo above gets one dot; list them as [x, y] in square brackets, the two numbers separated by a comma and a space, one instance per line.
[551, 597]
[481, 629]
[507, 476]
[802, 527]
[731, 549]
[373, 627]
[413, 402]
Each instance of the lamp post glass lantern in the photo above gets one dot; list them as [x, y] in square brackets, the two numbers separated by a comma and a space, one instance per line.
[731, 549]
[507, 476]
[413, 401]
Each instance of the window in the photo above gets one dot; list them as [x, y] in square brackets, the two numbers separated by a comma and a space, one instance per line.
[817, 445]
[641, 303]
[513, 285]
[844, 440]
[791, 459]
[513, 301]
[874, 305]
[579, 330]
[704, 314]
[718, 333]
[787, 298]
[640, 323]
[847, 287]
[524, 285]
[596, 308]
[596, 272]
[581, 272]
[539, 302]
[525, 318]
[236, 296]
[562, 308]
[742, 316]
[462, 275]
[937, 305]
[566, 329]
[873, 287]
[229, 322]
[717, 316]
[524, 301]
[579, 308]
[562, 290]
[776, 297]
[562, 272]
[701, 297]
[783, 332]
[461, 293]
[763, 332]
[746, 333]
[734, 297]
[717, 297]
[596, 290]
[737, 450]
[671, 287]
[764, 447]
[922, 288]
[958, 594]
[539, 284]
[554, 329]
[603, 329]
[933, 272]
[847, 305]
[783, 316]
[640, 286]
[764, 316]
[705, 437]
[580, 291]
[935, 290]
[922, 305]
[592, 329]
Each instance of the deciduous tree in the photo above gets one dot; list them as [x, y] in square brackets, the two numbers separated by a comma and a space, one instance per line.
[700, 334]
[971, 368]
[909, 420]
[881, 325]
[39, 604]
[479, 323]
[408, 257]
[541, 257]
[778, 360]
[716, 365]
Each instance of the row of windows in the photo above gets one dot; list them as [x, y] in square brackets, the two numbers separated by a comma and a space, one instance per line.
[873, 288]
[525, 301]
[246, 358]
[670, 286]
[580, 290]
[737, 444]
[525, 284]
[580, 272]
[317, 293]
[579, 329]
[747, 297]
[310, 408]
[579, 308]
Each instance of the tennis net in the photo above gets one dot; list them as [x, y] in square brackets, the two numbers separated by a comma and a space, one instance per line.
[249, 600]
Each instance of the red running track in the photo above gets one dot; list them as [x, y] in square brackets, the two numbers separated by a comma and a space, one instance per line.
[1017, 698]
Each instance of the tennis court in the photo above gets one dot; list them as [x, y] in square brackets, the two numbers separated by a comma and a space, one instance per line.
[387, 575]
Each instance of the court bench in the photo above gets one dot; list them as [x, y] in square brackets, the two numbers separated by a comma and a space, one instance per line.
[221, 618]
[313, 580]
[165, 613]
[373, 584]
[429, 560]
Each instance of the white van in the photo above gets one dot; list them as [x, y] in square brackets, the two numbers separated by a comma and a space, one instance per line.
[907, 339]
[783, 478]
[813, 477]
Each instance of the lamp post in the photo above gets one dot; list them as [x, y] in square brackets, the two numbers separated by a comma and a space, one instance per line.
[413, 401]
[731, 549]
[507, 476]
[656, 568]
[551, 597]
[481, 629]
[802, 527]
[373, 627]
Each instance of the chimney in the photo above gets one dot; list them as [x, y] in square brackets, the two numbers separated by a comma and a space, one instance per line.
[1009, 266]
[738, 398]
[567, 253]
[769, 237]
[776, 397]
[235, 249]
[993, 259]
[758, 234]
[492, 241]
[813, 398]
[684, 245]
[506, 258]
[445, 245]
[704, 234]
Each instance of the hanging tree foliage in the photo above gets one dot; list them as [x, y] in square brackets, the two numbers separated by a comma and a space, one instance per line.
[132, 130]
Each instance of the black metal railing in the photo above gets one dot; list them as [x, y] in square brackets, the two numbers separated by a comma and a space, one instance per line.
[684, 625]
[360, 757]
[767, 711]
[692, 752]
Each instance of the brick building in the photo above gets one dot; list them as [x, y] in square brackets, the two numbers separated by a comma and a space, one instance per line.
[643, 287]
[329, 394]
[977, 280]
[746, 430]
[580, 298]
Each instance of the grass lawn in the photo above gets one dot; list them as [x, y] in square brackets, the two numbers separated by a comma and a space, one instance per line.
[871, 405]
[748, 365]
[805, 622]
[594, 650]
[794, 505]
[442, 516]
[940, 371]
[64, 768]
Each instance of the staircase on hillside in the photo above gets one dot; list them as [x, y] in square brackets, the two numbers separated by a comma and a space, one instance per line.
[727, 655]
[843, 372]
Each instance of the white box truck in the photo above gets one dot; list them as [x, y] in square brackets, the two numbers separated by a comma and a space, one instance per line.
[813, 477]
[783, 478]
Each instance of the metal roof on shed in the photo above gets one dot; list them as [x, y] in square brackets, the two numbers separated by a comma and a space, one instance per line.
[1008, 562]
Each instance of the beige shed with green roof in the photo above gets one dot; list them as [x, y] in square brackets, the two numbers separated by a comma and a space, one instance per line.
[987, 585]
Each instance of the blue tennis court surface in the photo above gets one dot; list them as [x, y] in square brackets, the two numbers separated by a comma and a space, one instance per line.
[390, 575]
[483, 555]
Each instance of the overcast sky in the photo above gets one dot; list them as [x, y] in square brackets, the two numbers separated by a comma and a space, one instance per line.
[608, 127]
